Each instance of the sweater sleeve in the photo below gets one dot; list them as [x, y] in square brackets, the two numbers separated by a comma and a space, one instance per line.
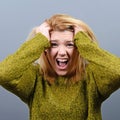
[103, 66]
[18, 70]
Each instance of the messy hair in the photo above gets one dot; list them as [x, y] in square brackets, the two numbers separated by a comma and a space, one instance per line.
[61, 22]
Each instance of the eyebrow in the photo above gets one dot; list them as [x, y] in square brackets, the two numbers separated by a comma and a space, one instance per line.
[64, 40]
[53, 40]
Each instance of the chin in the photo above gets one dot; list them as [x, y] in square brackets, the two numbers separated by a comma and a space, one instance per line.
[61, 73]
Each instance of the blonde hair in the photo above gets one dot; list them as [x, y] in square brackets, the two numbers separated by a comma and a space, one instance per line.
[62, 22]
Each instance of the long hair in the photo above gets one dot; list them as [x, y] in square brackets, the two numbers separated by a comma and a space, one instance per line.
[61, 22]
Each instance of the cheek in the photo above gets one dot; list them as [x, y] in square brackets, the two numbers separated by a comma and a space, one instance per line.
[72, 52]
[51, 54]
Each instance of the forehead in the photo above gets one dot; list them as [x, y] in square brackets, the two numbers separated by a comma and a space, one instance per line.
[61, 35]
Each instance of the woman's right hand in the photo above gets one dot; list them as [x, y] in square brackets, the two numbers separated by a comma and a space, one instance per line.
[44, 28]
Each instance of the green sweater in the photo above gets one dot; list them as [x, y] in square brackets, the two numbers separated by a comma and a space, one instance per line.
[80, 101]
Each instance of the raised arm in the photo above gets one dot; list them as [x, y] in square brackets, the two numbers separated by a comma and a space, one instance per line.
[103, 66]
[14, 65]
[18, 71]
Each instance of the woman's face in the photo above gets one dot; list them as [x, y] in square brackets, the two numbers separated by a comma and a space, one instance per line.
[62, 51]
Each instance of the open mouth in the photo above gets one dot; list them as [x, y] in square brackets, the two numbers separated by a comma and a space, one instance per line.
[62, 62]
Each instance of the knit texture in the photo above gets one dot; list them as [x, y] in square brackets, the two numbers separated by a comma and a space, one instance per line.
[59, 101]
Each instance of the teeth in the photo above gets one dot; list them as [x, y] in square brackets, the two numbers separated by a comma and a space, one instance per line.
[62, 60]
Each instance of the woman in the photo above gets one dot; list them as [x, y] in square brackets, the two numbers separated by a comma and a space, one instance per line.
[61, 72]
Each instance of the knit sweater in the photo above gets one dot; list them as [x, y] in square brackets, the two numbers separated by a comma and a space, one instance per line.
[58, 101]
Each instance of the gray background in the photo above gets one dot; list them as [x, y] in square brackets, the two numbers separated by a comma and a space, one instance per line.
[18, 17]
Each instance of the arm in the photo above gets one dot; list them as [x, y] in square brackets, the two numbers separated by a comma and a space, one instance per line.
[103, 66]
[14, 65]
[18, 70]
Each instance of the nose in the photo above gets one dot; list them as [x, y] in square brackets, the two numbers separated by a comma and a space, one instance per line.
[62, 51]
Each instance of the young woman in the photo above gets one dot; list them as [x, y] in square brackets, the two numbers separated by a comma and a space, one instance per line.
[61, 72]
